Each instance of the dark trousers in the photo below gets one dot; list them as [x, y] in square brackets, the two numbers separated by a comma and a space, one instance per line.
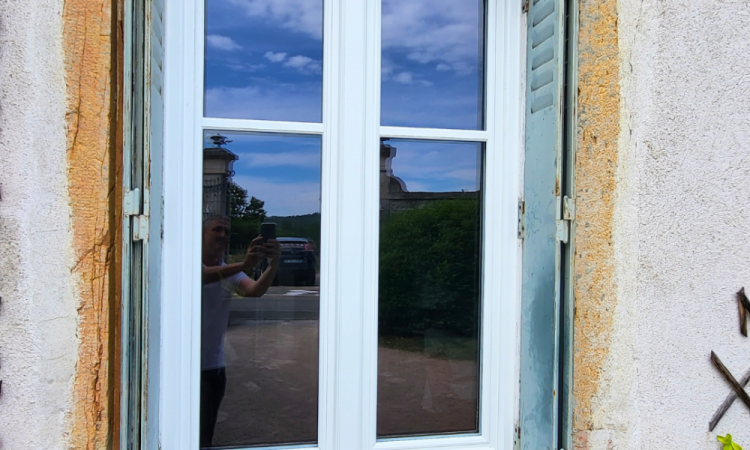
[213, 385]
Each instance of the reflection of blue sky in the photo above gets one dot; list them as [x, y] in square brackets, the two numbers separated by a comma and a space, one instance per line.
[432, 63]
[429, 166]
[281, 170]
[264, 58]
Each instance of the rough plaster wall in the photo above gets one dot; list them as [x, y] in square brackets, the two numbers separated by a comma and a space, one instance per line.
[680, 227]
[38, 344]
[57, 186]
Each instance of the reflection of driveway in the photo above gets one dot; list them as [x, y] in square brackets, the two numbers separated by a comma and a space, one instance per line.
[272, 386]
[279, 303]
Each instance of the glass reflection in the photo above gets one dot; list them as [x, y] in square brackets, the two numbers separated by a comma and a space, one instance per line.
[260, 294]
[429, 303]
[264, 59]
[433, 63]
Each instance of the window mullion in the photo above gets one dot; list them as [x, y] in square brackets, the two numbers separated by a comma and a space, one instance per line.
[353, 144]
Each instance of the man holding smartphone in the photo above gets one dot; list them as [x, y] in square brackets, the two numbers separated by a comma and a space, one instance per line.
[220, 282]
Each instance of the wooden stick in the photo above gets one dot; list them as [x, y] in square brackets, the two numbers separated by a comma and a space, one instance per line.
[727, 403]
[743, 315]
[743, 298]
[744, 305]
[728, 376]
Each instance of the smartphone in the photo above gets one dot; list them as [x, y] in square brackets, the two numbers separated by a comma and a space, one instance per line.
[268, 231]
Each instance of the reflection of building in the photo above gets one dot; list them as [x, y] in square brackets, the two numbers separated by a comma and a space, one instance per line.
[394, 195]
[217, 172]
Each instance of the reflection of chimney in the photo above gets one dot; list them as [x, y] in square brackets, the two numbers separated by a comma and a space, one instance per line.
[388, 181]
[218, 165]
[387, 153]
[391, 186]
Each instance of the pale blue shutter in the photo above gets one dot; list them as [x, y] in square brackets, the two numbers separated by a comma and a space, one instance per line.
[542, 210]
[142, 137]
[155, 116]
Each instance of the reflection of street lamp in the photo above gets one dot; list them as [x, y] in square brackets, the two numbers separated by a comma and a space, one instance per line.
[217, 172]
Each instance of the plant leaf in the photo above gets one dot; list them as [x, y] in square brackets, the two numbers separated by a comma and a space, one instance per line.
[727, 442]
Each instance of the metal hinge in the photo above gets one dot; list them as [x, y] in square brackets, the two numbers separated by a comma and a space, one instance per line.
[521, 219]
[131, 207]
[568, 215]
[524, 6]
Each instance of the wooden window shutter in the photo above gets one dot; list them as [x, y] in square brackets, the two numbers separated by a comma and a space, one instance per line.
[142, 137]
[542, 225]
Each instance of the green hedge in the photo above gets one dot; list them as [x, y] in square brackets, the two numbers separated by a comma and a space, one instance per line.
[429, 269]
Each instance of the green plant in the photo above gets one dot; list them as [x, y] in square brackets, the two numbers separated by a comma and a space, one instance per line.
[727, 443]
[429, 270]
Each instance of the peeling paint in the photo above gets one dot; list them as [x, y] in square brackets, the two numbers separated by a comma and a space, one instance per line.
[596, 163]
[94, 193]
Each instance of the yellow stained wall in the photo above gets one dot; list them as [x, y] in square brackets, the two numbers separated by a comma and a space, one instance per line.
[94, 155]
[596, 162]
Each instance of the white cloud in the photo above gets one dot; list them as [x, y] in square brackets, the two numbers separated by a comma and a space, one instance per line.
[403, 78]
[386, 67]
[303, 64]
[275, 57]
[240, 66]
[441, 31]
[304, 16]
[220, 42]
[292, 102]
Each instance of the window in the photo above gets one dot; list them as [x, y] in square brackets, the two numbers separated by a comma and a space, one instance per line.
[383, 141]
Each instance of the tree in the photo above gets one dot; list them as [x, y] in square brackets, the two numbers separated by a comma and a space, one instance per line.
[241, 208]
[255, 209]
[246, 216]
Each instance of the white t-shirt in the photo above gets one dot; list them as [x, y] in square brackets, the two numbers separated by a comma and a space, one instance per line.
[215, 300]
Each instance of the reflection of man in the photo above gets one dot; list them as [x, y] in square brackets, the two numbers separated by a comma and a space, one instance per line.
[220, 282]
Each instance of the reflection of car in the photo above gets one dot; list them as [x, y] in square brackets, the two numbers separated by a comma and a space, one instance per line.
[298, 263]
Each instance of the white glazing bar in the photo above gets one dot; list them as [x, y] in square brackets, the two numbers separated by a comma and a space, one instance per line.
[491, 212]
[328, 228]
[467, 442]
[261, 126]
[194, 237]
[438, 134]
[371, 256]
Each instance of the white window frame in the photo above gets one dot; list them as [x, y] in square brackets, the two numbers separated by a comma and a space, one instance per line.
[350, 224]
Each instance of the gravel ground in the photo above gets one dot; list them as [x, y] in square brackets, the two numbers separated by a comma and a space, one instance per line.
[272, 388]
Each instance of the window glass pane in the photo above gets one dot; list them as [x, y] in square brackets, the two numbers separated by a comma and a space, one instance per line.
[260, 302]
[433, 63]
[264, 59]
[429, 294]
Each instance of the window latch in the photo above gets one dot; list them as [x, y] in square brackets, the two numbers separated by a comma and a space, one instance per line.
[132, 208]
